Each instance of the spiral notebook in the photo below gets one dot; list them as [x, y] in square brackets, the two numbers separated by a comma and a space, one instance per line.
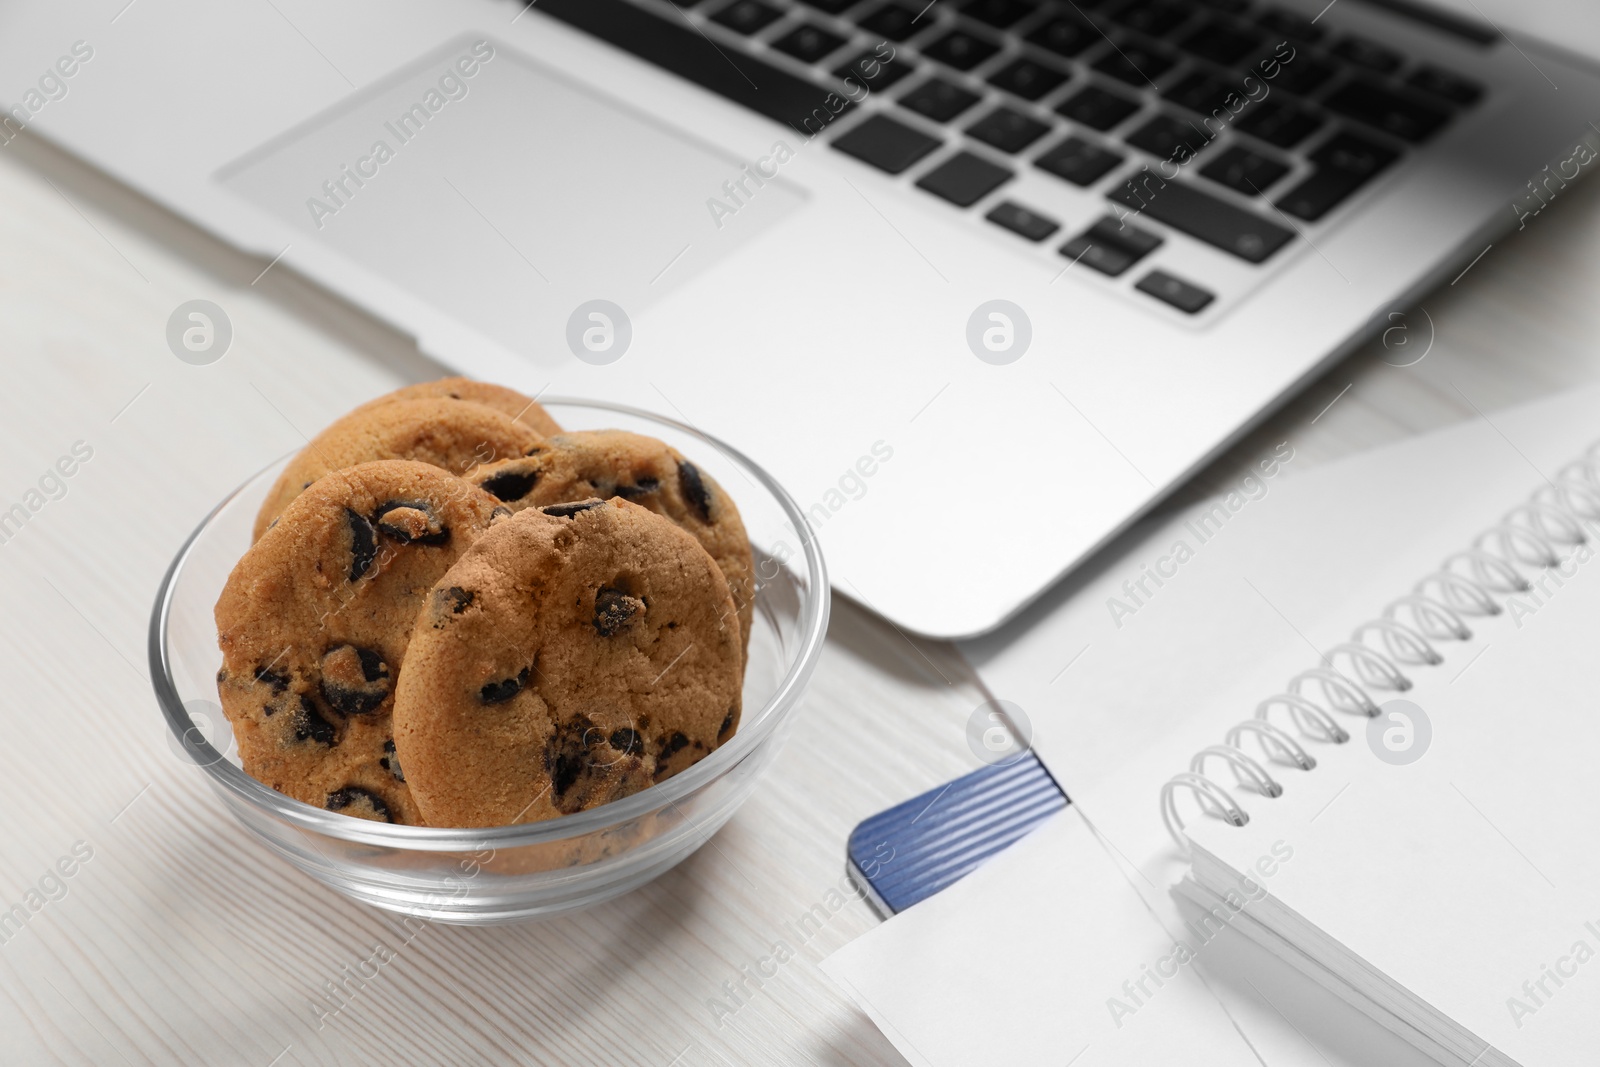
[1120, 702]
[1421, 804]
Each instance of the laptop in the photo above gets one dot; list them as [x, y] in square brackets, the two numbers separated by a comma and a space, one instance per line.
[979, 281]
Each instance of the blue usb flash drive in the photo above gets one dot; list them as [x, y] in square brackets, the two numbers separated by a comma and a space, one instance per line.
[916, 848]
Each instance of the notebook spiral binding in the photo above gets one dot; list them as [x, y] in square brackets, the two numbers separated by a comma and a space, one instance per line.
[1466, 584]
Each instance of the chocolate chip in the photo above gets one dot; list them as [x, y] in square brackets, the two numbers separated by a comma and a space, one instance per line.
[670, 746]
[727, 724]
[613, 610]
[278, 680]
[569, 764]
[510, 485]
[449, 602]
[363, 544]
[309, 725]
[584, 772]
[390, 762]
[566, 511]
[499, 692]
[641, 487]
[354, 680]
[567, 758]
[695, 490]
[372, 665]
[502, 691]
[367, 805]
[411, 522]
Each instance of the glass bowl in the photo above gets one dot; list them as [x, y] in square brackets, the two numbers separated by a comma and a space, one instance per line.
[532, 870]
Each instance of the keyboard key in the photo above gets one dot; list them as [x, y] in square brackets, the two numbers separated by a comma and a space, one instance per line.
[1170, 138]
[1019, 220]
[1187, 298]
[1353, 155]
[1345, 163]
[938, 100]
[960, 50]
[886, 144]
[892, 21]
[1447, 86]
[1078, 161]
[1097, 108]
[675, 46]
[1202, 216]
[808, 44]
[747, 16]
[1027, 79]
[1009, 131]
[1221, 42]
[1154, 17]
[1278, 123]
[1135, 64]
[1064, 36]
[1121, 232]
[1295, 27]
[964, 179]
[1201, 93]
[873, 71]
[1303, 74]
[1107, 259]
[832, 7]
[1110, 247]
[1400, 116]
[1369, 54]
[1244, 171]
[997, 13]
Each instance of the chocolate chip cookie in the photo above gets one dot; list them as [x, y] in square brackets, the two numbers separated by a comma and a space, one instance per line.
[522, 408]
[458, 435]
[575, 654]
[314, 622]
[608, 463]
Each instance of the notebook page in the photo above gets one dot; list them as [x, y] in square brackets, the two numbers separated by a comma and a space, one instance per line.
[1471, 876]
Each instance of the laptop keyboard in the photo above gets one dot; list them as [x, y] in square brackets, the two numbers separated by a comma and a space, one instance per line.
[1067, 89]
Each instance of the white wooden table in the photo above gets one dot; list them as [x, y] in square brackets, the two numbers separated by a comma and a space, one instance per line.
[180, 941]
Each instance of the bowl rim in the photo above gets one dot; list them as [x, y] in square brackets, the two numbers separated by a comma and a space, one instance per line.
[813, 628]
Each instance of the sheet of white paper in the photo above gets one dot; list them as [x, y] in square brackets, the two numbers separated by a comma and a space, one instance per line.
[1025, 978]
[1129, 670]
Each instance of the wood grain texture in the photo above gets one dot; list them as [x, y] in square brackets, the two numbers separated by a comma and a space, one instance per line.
[183, 942]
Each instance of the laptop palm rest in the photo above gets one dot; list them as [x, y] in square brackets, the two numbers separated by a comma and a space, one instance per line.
[486, 184]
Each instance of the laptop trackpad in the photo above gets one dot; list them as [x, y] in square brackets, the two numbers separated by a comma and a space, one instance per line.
[486, 184]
